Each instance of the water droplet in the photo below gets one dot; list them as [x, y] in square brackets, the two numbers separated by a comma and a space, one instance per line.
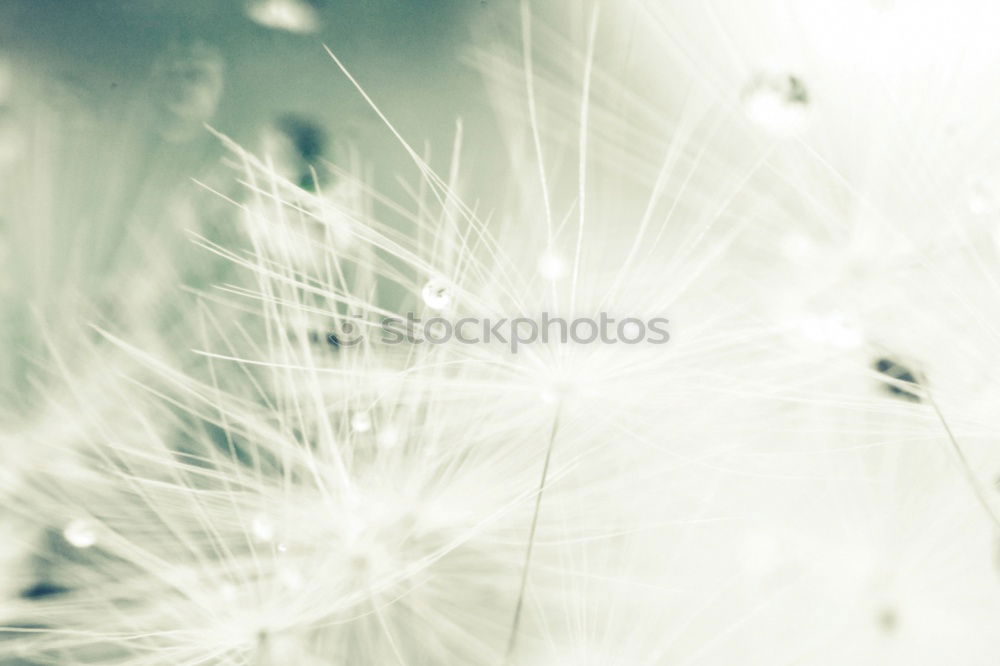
[776, 102]
[437, 293]
[289, 15]
[388, 436]
[333, 340]
[81, 533]
[551, 266]
[262, 528]
[361, 422]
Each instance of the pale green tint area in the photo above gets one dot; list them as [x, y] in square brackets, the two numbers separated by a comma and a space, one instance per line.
[91, 208]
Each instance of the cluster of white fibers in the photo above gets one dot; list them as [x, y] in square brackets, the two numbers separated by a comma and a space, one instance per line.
[804, 473]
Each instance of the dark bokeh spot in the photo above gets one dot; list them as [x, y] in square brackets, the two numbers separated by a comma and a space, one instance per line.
[797, 90]
[42, 590]
[330, 339]
[899, 373]
[888, 620]
[309, 141]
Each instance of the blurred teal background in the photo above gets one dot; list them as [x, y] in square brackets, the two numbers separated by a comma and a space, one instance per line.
[103, 123]
[407, 54]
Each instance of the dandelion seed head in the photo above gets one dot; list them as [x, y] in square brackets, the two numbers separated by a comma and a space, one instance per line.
[403, 548]
[376, 535]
